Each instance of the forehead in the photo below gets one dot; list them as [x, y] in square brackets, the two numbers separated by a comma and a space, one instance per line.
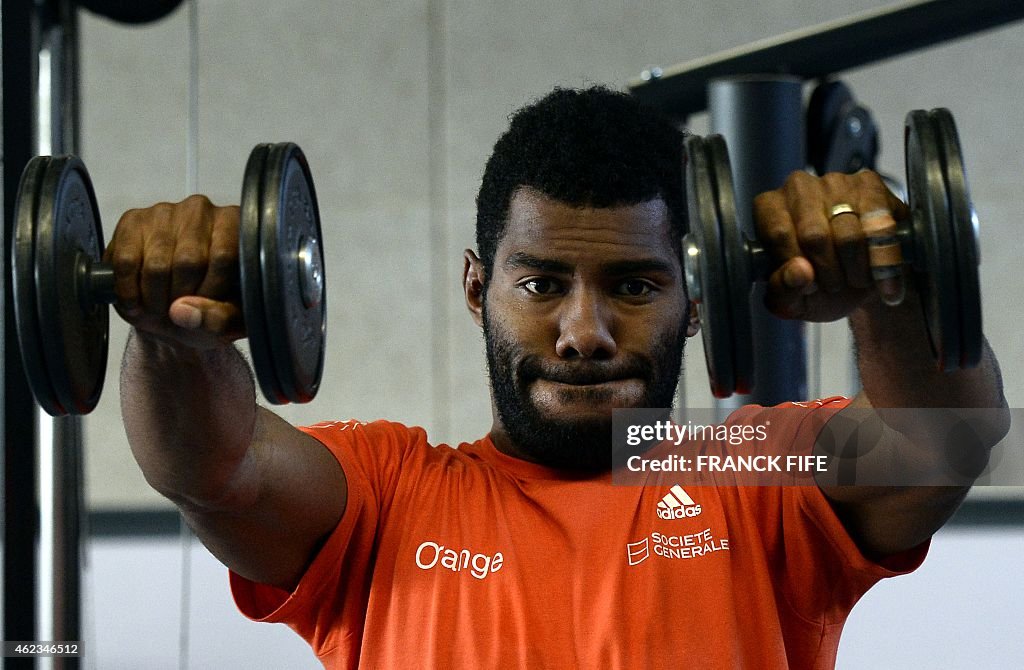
[550, 228]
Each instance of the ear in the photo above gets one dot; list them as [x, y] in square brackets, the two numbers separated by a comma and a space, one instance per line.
[473, 278]
[692, 318]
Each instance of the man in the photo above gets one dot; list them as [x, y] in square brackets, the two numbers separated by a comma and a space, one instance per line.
[517, 550]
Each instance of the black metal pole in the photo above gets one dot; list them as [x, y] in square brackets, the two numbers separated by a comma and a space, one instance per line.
[20, 48]
[761, 118]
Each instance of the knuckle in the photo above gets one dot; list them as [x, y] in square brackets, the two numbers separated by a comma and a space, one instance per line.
[189, 256]
[160, 210]
[764, 202]
[796, 179]
[156, 267]
[849, 236]
[835, 180]
[192, 264]
[776, 235]
[124, 260]
[868, 178]
[223, 259]
[197, 200]
[812, 236]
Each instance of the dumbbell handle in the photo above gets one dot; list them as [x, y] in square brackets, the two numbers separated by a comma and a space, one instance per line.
[95, 282]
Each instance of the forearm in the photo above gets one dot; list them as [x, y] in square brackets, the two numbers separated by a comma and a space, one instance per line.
[898, 371]
[897, 368]
[190, 416]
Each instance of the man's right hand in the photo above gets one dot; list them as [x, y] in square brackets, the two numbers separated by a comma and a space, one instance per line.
[176, 272]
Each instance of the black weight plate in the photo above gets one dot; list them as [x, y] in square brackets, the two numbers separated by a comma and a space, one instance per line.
[278, 217]
[250, 266]
[935, 272]
[963, 221]
[738, 272]
[63, 335]
[713, 306]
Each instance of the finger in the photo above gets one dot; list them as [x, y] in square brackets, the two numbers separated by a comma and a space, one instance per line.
[851, 249]
[775, 227]
[811, 202]
[214, 317]
[222, 274]
[124, 253]
[188, 268]
[157, 256]
[788, 288]
[879, 225]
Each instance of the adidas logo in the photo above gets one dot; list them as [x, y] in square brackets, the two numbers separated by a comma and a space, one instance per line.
[677, 504]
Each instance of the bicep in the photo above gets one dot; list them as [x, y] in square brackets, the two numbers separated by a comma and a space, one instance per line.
[293, 494]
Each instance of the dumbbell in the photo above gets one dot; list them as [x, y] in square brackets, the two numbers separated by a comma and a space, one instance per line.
[938, 243]
[62, 289]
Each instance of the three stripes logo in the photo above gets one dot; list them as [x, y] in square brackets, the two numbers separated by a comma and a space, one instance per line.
[677, 504]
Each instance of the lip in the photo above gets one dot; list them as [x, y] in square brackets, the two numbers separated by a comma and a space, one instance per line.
[611, 383]
[586, 399]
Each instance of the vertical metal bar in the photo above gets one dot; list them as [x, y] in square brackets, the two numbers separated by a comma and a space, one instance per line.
[437, 185]
[20, 42]
[761, 118]
[60, 463]
[191, 186]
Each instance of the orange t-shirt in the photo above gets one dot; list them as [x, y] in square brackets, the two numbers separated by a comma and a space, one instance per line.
[469, 558]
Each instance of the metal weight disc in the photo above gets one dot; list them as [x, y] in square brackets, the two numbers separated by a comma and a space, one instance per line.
[283, 288]
[62, 333]
[963, 222]
[706, 269]
[935, 261]
[738, 271]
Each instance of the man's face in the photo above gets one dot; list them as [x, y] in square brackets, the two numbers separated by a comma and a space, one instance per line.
[584, 312]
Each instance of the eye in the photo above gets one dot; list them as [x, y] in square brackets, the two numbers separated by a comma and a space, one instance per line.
[635, 288]
[541, 286]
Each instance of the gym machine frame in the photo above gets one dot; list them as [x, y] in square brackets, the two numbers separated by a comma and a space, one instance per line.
[754, 96]
[40, 66]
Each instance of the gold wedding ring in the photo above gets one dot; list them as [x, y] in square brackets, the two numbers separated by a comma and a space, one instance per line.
[841, 208]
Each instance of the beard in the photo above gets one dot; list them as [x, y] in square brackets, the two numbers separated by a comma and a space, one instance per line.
[582, 443]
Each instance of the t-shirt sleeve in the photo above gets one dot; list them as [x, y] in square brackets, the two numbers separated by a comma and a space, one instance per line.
[330, 599]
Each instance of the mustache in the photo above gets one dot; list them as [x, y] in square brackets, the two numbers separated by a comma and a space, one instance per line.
[581, 373]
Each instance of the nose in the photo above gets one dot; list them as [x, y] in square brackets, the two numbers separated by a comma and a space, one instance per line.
[585, 328]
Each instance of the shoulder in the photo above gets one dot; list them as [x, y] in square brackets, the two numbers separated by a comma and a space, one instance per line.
[382, 444]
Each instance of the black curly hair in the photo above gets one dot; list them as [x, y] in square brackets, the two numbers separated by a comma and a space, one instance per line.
[591, 147]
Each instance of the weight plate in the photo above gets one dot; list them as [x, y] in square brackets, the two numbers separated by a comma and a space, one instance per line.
[283, 290]
[935, 273]
[250, 266]
[706, 267]
[963, 221]
[63, 335]
[738, 277]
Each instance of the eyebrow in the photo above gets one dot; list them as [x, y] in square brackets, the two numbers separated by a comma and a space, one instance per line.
[522, 259]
